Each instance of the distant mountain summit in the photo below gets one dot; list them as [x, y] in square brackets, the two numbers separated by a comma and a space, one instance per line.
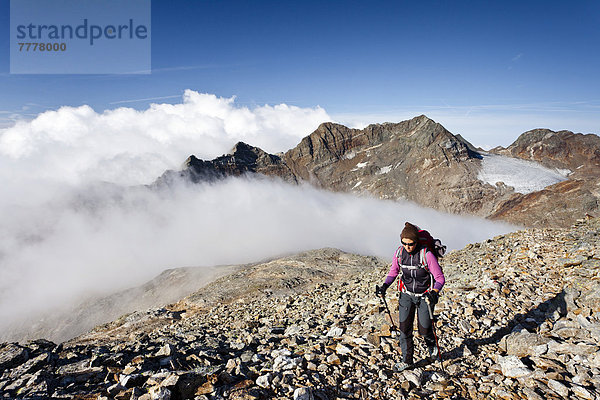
[412, 160]
[420, 161]
[242, 159]
[576, 152]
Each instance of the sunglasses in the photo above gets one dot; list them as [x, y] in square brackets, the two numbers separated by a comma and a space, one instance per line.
[407, 244]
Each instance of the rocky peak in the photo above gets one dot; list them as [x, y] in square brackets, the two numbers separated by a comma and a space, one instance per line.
[329, 141]
[575, 152]
[380, 158]
[243, 153]
[417, 138]
[242, 159]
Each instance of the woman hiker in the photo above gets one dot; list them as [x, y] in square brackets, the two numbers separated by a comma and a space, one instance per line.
[418, 285]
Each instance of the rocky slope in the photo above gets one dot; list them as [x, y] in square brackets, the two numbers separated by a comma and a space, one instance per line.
[519, 319]
[555, 205]
[420, 161]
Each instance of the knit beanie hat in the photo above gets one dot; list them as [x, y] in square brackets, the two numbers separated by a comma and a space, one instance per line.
[410, 232]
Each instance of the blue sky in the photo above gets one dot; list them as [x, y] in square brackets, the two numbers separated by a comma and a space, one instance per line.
[486, 70]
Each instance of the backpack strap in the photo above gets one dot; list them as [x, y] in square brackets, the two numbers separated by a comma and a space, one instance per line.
[399, 282]
[422, 254]
[423, 258]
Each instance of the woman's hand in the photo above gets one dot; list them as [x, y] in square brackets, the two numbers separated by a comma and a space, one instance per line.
[433, 296]
[380, 290]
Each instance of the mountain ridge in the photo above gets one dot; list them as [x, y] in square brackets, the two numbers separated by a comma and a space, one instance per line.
[420, 161]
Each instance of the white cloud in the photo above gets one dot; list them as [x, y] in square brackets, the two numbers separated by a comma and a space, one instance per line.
[65, 235]
[145, 99]
[100, 238]
[127, 146]
[57, 238]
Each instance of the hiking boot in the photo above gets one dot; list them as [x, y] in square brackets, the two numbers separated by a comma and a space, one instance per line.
[401, 366]
[434, 354]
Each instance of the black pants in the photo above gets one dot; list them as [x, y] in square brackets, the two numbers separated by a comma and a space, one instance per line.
[406, 316]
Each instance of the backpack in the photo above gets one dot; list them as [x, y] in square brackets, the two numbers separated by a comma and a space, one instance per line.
[433, 245]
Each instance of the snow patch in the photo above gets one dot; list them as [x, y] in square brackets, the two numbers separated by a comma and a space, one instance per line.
[564, 172]
[384, 170]
[350, 155]
[359, 166]
[448, 144]
[524, 176]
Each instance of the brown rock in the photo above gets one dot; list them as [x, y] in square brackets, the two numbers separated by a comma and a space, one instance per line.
[245, 394]
[206, 388]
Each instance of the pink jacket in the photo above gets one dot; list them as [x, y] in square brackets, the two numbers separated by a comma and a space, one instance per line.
[432, 264]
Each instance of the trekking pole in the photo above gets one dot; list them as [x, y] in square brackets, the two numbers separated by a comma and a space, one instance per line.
[434, 333]
[377, 290]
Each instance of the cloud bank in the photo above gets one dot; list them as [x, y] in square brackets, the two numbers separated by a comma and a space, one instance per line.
[102, 238]
[77, 221]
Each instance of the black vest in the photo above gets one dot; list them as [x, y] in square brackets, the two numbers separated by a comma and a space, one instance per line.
[415, 277]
